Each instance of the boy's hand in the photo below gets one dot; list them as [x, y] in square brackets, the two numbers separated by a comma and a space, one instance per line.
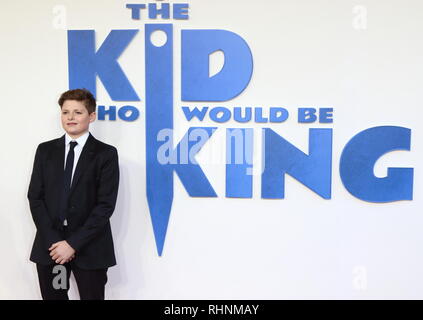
[61, 252]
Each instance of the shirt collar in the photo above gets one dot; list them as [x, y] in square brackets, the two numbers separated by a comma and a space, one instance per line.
[81, 140]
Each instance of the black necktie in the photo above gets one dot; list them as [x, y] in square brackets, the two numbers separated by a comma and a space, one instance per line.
[67, 178]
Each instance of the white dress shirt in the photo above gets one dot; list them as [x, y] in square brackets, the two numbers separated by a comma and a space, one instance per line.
[77, 151]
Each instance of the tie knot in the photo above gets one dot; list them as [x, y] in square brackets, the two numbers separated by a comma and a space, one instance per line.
[73, 144]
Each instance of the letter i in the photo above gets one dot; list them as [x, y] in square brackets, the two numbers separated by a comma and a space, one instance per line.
[159, 116]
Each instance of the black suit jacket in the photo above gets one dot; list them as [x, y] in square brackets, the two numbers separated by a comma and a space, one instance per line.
[92, 200]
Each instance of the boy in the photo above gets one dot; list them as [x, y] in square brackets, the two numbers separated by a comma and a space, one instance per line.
[72, 194]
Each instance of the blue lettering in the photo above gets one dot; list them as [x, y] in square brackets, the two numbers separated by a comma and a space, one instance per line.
[325, 115]
[313, 170]
[180, 11]
[278, 114]
[359, 157]
[189, 114]
[153, 11]
[258, 112]
[128, 113]
[239, 163]
[136, 10]
[238, 115]
[102, 112]
[307, 115]
[226, 114]
[85, 64]
[230, 81]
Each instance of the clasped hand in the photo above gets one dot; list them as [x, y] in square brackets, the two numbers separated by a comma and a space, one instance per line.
[61, 252]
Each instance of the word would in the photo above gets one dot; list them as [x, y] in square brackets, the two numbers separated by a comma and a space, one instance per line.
[222, 114]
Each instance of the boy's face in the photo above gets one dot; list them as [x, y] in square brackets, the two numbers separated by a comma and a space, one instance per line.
[75, 118]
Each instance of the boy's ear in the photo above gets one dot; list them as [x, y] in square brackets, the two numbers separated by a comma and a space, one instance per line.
[92, 116]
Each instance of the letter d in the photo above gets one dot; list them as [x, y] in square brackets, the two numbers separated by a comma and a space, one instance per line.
[197, 45]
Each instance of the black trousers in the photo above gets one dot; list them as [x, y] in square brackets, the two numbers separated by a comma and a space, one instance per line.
[54, 281]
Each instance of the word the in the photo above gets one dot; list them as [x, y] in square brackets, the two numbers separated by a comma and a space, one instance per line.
[179, 10]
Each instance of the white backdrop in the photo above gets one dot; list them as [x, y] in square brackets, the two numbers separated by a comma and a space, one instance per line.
[318, 53]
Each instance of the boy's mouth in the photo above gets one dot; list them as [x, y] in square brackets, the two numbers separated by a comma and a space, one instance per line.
[71, 124]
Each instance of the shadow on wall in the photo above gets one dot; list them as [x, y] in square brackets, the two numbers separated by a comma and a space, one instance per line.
[123, 282]
[127, 246]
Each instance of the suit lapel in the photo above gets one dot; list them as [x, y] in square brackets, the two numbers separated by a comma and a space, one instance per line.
[58, 162]
[85, 159]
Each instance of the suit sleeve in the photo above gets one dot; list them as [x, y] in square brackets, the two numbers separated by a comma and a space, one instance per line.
[39, 212]
[106, 201]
